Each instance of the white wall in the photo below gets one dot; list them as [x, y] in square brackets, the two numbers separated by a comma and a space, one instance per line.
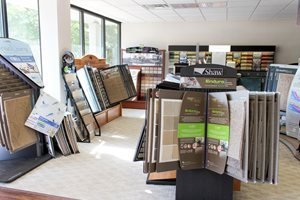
[285, 35]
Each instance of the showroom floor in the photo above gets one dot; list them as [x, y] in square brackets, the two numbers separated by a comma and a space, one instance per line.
[104, 170]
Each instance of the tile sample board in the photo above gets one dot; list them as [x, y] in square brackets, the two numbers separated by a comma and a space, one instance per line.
[169, 112]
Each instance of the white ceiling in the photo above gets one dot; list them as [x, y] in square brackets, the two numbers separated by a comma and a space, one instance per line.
[139, 11]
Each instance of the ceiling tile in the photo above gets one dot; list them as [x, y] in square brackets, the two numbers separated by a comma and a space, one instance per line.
[179, 1]
[291, 8]
[207, 1]
[188, 11]
[146, 2]
[240, 0]
[191, 15]
[172, 18]
[261, 18]
[237, 10]
[274, 2]
[237, 18]
[213, 10]
[164, 12]
[247, 3]
[120, 3]
[285, 17]
[215, 18]
[268, 9]
[133, 8]
[194, 19]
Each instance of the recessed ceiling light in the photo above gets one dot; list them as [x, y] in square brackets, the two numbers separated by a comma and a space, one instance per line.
[222, 4]
[184, 5]
[156, 6]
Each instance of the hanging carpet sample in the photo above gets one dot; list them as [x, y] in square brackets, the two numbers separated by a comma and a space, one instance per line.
[15, 108]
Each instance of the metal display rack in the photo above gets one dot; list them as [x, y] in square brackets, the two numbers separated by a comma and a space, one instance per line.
[77, 113]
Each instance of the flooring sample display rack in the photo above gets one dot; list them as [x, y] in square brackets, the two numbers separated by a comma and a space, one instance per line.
[87, 136]
[14, 165]
[109, 114]
[152, 68]
[199, 183]
[85, 129]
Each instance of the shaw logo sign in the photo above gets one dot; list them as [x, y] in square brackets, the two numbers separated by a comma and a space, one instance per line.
[209, 71]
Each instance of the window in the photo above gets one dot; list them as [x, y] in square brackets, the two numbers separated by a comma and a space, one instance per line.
[112, 43]
[1, 22]
[23, 24]
[95, 34]
[76, 33]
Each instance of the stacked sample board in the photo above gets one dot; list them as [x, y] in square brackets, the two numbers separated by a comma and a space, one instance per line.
[226, 132]
[66, 137]
[152, 68]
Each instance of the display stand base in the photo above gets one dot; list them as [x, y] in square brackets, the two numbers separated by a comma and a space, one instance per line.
[12, 169]
[162, 178]
[203, 185]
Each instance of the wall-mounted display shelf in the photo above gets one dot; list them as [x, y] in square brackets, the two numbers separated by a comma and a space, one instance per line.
[251, 61]
[151, 66]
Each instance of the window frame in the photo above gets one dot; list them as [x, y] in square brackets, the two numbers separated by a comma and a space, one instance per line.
[4, 18]
[83, 11]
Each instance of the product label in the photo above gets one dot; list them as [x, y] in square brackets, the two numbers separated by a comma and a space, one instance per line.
[217, 132]
[191, 131]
